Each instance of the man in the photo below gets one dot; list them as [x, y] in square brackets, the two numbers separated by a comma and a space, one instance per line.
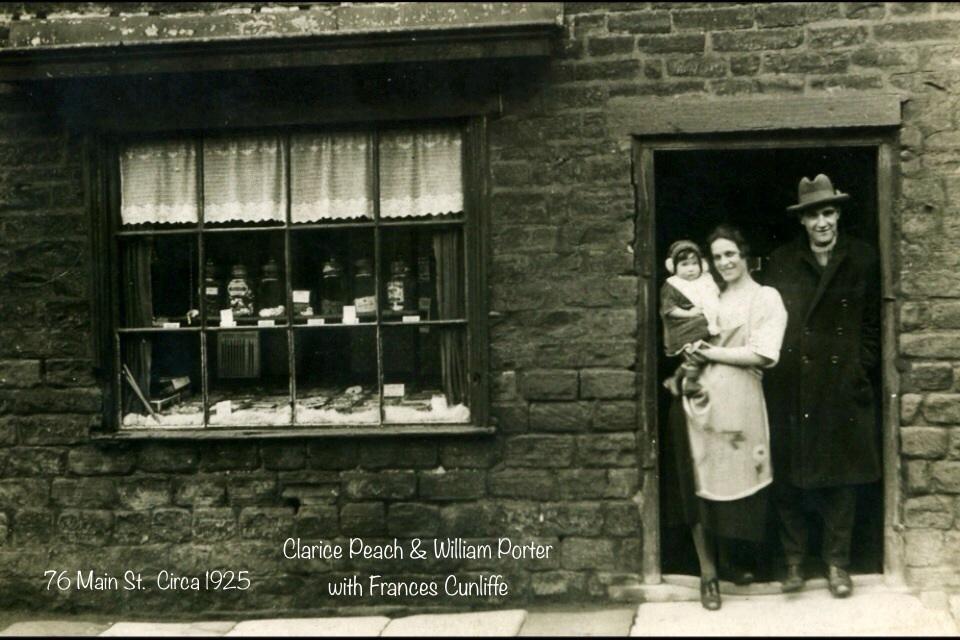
[819, 396]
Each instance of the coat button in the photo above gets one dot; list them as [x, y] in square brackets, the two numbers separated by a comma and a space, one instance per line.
[843, 302]
[807, 331]
[834, 359]
[839, 331]
[805, 360]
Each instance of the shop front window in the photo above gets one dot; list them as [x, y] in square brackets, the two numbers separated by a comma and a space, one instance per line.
[293, 278]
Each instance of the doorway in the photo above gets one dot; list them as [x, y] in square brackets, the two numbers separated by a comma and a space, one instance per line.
[696, 186]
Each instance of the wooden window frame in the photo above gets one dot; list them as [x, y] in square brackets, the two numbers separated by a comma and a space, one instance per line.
[103, 202]
[885, 141]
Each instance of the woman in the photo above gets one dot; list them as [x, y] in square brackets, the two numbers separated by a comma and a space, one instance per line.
[722, 432]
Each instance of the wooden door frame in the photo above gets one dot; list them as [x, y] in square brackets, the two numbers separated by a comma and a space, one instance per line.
[644, 149]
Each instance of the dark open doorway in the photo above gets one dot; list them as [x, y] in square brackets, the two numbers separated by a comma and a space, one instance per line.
[698, 188]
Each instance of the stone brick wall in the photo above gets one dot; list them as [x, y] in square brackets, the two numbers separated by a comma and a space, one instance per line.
[564, 466]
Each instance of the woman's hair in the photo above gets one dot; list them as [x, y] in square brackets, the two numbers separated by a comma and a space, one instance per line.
[731, 233]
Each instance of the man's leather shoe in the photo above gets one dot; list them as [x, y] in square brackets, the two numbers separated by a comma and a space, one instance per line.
[794, 579]
[839, 582]
[710, 594]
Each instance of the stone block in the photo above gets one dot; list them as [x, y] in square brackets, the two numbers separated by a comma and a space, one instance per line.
[539, 451]
[535, 484]
[795, 14]
[309, 493]
[19, 373]
[610, 45]
[363, 519]
[164, 457]
[918, 476]
[928, 512]
[51, 429]
[555, 584]
[615, 416]
[31, 401]
[909, 407]
[8, 431]
[265, 523]
[942, 408]
[32, 526]
[26, 492]
[857, 82]
[200, 491]
[551, 384]
[640, 22]
[607, 450]
[251, 490]
[769, 39]
[474, 453]
[284, 456]
[132, 527]
[86, 527]
[945, 476]
[61, 372]
[171, 525]
[109, 460]
[953, 444]
[621, 518]
[319, 521]
[943, 30]
[333, 454]
[214, 524]
[923, 548]
[714, 19]
[560, 416]
[385, 485]
[511, 418]
[34, 461]
[673, 43]
[804, 62]
[591, 554]
[930, 376]
[471, 519]
[607, 384]
[139, 494]
[923, 442]
[398, 453]
[408, 519]
[452, 485]
[572, 519]
[229, 456]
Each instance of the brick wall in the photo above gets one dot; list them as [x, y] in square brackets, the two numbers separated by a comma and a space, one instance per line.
[563, 468]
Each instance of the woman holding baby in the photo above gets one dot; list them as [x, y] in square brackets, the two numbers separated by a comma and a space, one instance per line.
[718, 419]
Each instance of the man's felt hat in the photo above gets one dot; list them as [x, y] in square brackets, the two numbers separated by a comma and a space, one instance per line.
[815, 193]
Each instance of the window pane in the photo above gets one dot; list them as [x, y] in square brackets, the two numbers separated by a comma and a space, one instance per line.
[422, 273]
[159, 281]
[244, 280]
[425, 374]
[162, 369]
[334, 271]
[249, 381]
[337, 380]
[331, 177]
[244, 179]
[421, 173]
[158, 182]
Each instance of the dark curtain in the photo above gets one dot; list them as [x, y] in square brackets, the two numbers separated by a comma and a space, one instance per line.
[137, 312]
[448, 252]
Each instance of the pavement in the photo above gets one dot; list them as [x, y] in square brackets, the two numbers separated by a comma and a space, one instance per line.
[669, 609]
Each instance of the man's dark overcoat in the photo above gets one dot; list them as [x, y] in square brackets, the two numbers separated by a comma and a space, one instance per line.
[819, 397]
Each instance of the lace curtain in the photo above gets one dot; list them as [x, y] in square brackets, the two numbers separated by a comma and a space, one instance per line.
[159, 183]
[421, 173]
[244, 179]
[331, 177]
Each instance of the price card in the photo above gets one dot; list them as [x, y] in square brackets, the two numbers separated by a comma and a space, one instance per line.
[393, 390]
[266, 323]
[313, 322]
[415, 318]
[171, 325]
[212, 291]
[226, 316]
[223, 408]
[349, 314]
[301, 296]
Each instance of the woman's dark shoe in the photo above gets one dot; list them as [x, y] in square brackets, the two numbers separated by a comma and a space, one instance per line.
[742, 577]
[793, 580]
[710, 594]
[839, 582]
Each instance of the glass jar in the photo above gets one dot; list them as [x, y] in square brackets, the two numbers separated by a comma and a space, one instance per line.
[399, 287]
[364, 289]
[271, 293]
[212, 293]
[240, 292]
[331, 288]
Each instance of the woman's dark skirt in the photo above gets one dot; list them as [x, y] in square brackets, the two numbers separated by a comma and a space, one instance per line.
[743, 519]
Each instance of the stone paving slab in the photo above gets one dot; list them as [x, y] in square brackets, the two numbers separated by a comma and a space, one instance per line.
[487, 623]
[608, 622]
[324, 627]
[54, 628]
[213, 628]
[803, 614]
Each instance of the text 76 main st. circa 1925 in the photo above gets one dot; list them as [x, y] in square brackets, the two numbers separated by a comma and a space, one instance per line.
[445, 548]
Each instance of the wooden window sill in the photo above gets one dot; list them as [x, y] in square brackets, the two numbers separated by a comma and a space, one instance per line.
[241, 433]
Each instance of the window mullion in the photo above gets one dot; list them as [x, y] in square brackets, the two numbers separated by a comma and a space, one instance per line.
[375, 164]
[204, 376]
[288, 279]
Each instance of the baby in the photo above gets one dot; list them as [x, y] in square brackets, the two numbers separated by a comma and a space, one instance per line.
[688, 305]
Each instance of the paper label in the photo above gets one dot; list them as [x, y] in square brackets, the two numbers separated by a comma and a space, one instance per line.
[266, 323]
[349, 314]
[393, 390]
[366, 304]
[212, 291]
[226, 317]
[223, 408]
[171, 325]
[415, 318]
[301, 296]
[312, 322]
[228, 323]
